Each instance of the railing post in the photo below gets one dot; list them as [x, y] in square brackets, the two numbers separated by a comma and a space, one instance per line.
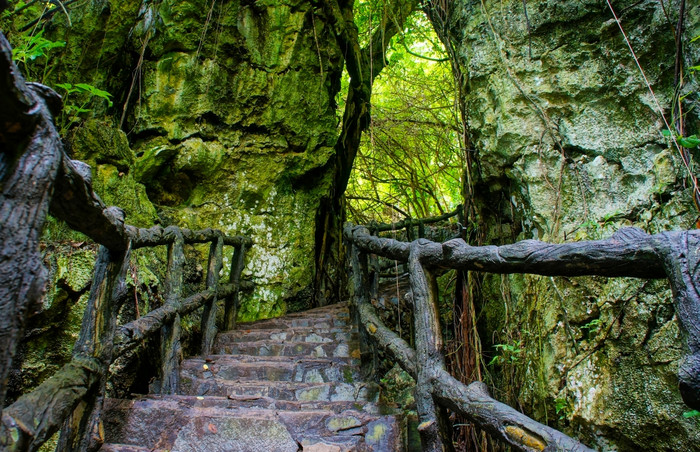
[231, 305]
[209, 314]
[409, 230]
[428, 349]
[170, 347]
[83, 430]
[361, 286]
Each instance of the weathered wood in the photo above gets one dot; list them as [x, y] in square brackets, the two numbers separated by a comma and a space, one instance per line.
[390, 248]
[399, 349]
[428, 349]
[33, 166]
[170, 347]
[472, 401]
[680, 252]
[81, 430]
[36, 416]
[157, 235]
[216, 253]
[231, 303]
[629, 252]
[30, 154]
[77, 204]
[132, 334]
[374, 277]
[361, 297]
[498, 419]
[411, 222]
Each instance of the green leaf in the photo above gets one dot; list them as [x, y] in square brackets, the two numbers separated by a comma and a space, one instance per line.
[692, 413]
[666, 133]
[689, 142]
[68, 87]
[95, 92]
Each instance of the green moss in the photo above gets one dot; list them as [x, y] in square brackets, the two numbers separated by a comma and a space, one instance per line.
[347, 375]
[74, 270]
[98, 142]
[398, 388]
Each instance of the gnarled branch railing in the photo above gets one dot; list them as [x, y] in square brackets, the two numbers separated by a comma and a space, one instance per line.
[36, 177]
[630, 252]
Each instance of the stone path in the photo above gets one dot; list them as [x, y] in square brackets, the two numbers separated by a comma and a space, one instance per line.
[287, 384]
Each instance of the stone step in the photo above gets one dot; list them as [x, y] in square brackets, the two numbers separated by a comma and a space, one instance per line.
[319, 322]
[187, 424]
[337, 334]
[128, 448]
[348, 349]
[332, 310]
[273, 368]
[234, 401]
[281, 390]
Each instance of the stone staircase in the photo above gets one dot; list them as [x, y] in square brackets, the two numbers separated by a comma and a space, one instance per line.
[286, 384]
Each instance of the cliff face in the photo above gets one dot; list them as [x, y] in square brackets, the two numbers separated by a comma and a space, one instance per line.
[569, 147]
[234, 127]
[223, 116]
[230, 120]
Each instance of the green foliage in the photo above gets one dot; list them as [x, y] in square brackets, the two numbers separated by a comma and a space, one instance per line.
[509, 353]
[690, 142]
[410, 160]
[82, 94]
[692, 414]
[592, 328]
[32, 51]
[34, 47]
[596, 229]
[563, 408]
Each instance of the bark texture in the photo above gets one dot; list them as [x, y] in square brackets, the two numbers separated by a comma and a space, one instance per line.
[30, 157]
[630, 252]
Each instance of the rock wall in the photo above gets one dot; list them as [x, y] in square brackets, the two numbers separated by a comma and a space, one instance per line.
[569, 147]
[230, 119]
[223, 116]
[234, 128]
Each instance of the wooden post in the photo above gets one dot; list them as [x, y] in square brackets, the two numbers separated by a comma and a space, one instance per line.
[428, 349]
[373, 277]
[170, 347]
[231, 305]
[30, 155]
[361, 285]
[83, 430]
[209, 314]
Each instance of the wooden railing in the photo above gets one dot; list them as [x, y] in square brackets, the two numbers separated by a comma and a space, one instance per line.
[36, 176]
[630, 252]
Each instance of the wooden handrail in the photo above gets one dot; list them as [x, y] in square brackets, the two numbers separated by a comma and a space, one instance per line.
[36, 177]
[412, 222]
[629, 252]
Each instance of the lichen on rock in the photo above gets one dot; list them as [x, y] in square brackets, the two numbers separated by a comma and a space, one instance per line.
[570, 148]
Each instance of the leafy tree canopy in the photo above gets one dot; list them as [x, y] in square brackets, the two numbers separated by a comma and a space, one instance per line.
[410, 161]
